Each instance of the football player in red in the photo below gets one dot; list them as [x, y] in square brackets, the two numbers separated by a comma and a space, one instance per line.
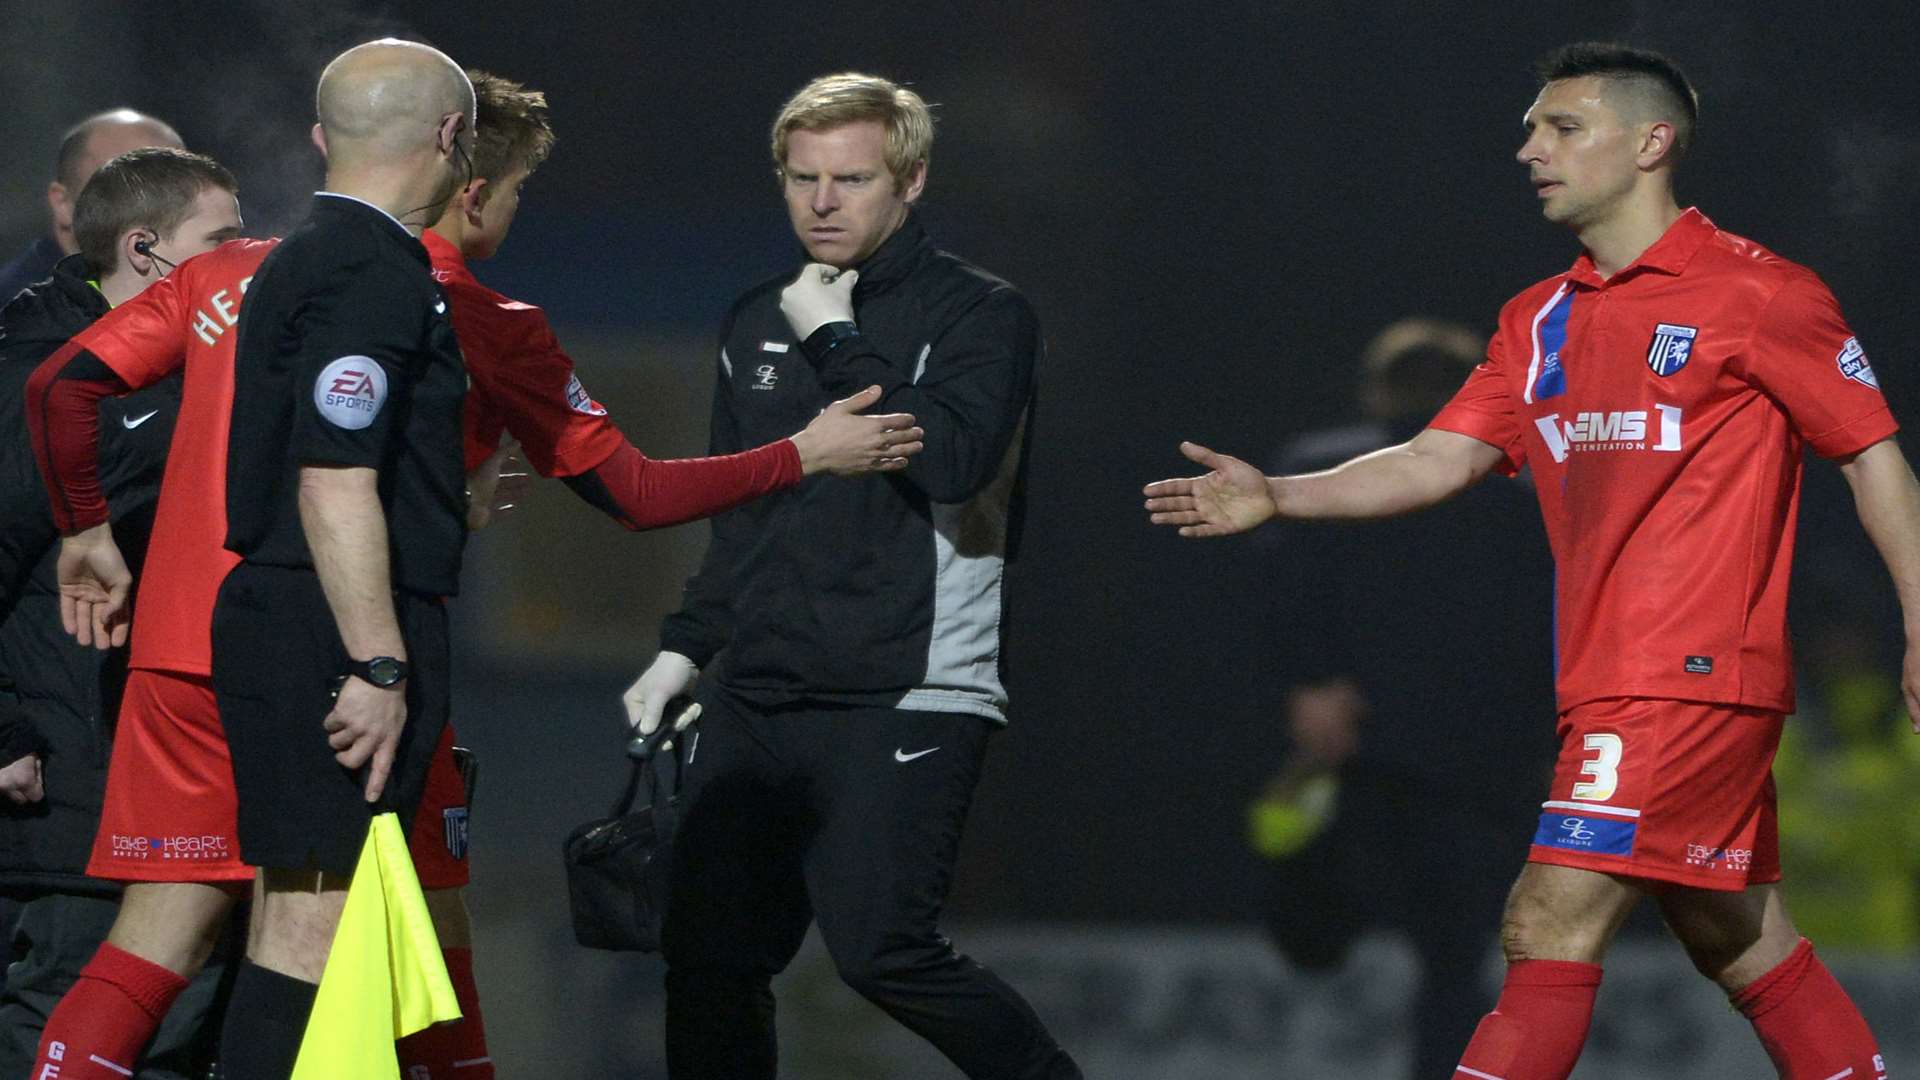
[1662, 390]
[170, 773]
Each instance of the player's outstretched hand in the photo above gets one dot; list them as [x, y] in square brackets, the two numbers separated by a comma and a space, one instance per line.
[22, 780]
[820, 294]
[496, 485]
[669, 676]
[94, 582]
[845, 443]
[1232, 498]
[364, 729]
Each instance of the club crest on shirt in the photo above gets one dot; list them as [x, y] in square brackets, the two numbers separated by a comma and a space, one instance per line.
[1853, 364]
[1671, 348]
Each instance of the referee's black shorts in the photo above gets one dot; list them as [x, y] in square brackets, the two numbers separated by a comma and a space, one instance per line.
[276, 653]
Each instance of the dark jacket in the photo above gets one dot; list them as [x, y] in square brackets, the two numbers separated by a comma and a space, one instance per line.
[63, 698]
[879, 590]
[29, 267]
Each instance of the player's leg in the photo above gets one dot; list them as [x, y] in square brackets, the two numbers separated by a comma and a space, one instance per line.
[891, 789]
[456, 1050]
[295, 915]
[167, 828]
[1745, 942]
[738, 910]
[53, 938]
[1558, 924]
[276, 655]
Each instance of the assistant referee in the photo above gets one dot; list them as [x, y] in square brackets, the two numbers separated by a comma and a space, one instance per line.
[346, 501]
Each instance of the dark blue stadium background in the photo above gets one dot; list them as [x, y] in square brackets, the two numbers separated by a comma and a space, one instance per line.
[1213, 206]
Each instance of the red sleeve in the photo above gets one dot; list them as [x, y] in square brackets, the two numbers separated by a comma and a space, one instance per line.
[133, 346]
[1483, 409]
[1803, 356]
[523, 381]
[642, 493]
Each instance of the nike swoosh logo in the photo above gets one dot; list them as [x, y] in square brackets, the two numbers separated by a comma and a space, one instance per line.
[132, 422]
[903, 756]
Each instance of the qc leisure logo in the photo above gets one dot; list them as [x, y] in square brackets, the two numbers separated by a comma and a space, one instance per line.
[350, 391]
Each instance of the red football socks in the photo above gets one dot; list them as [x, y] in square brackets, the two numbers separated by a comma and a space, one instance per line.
[1808, 1025]
[102, 1025]
[455, 1051]
[1537, 1028]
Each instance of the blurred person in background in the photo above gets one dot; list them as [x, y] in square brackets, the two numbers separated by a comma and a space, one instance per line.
[83, 149]
[849, 632]
[1380, 707]
[141, 213]
[1847, 777]
[1663, 389]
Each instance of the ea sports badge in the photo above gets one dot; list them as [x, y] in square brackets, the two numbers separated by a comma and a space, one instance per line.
[350, 391]
[1671, 348]
[1853, 364]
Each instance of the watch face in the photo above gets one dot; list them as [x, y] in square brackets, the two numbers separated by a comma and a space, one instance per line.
[385, 671]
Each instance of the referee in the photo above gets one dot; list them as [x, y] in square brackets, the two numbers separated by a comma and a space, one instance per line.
[346, 501]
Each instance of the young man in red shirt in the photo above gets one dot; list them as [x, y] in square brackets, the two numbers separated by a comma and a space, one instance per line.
[1662, 390]
[171, 773]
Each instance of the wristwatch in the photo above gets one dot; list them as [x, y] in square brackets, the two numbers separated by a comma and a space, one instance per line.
[384, 672]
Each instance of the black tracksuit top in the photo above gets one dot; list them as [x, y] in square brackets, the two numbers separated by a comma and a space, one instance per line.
[880, 590]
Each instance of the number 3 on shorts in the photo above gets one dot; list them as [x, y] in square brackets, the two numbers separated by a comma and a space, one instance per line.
[1604, 768]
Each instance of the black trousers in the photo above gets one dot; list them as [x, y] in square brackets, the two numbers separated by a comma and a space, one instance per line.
[56, 936]
[848, 816]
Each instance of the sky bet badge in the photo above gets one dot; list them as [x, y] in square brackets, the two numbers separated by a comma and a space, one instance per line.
[1672, 347]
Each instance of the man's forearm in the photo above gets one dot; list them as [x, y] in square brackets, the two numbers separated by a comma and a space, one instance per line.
[1888, 500]
[347, 533]
[1430, 468]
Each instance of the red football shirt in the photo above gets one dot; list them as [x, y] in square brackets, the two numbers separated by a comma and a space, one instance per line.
[519, 371]
[1664, 411]
[188, 318]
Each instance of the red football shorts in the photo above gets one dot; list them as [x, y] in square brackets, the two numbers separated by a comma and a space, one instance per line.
[1672, 791]
[438, 838]
[170, 808]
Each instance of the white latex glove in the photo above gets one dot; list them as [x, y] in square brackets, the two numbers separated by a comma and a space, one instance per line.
[669, 675]
[821, 294]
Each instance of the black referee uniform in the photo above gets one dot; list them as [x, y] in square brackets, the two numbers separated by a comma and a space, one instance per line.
[345, 357]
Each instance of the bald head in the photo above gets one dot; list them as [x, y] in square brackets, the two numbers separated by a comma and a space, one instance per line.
[387, 98]
[90, 144]
[102, 137]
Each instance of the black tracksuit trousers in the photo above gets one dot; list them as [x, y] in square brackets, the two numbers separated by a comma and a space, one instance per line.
[851, 816]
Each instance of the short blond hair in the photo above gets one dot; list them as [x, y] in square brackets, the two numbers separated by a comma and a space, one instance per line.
[849, 98]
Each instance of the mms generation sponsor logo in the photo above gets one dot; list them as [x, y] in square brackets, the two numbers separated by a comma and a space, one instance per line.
[1618, 431]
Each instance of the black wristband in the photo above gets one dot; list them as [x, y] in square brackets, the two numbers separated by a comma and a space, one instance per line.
[828, 337]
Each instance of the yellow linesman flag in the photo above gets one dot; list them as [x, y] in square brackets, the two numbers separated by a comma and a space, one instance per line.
[385, 977]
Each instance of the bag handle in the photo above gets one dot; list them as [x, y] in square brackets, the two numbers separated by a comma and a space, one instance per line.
[645, 753]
